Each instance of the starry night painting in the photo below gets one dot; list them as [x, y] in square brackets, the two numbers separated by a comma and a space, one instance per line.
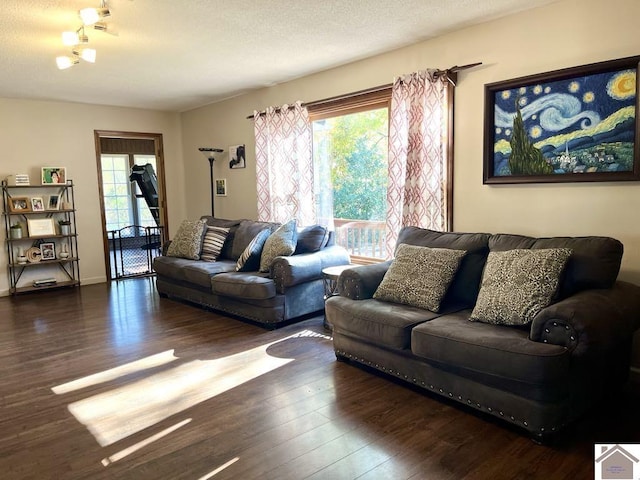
[575, 124]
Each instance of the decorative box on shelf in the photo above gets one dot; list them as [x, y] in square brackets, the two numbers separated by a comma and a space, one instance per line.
[18, 180]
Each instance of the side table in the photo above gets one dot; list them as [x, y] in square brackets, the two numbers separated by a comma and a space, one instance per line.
[330, 279]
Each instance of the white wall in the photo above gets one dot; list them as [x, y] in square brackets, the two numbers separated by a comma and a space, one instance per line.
[36, 133]
[565, 34]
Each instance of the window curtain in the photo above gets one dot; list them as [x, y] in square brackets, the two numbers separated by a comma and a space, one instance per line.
[284, 164]
[416, 190]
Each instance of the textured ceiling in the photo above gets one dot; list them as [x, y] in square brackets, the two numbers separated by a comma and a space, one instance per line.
[177, 55]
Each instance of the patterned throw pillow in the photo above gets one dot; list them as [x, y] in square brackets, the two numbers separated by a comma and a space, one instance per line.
[282, 242]
[419, 276]
[214, 238]
[517, 284]
[249, 260]
[188, 240]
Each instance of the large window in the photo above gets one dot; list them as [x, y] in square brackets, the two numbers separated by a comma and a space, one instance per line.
[350, 152]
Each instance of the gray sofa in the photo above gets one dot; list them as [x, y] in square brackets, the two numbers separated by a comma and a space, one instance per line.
[291, 289]
[538, 376]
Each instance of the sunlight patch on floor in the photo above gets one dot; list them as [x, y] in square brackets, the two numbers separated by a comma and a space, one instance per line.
[114, 415]
[219, 469]
[117, 372]
[137, 446]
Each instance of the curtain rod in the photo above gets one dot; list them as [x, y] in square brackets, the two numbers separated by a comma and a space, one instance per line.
[450, 73]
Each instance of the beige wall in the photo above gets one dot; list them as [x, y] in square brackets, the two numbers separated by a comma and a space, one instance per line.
[565, 34]
[35, 134]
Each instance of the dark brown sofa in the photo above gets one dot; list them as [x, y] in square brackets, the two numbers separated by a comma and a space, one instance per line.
[538, 377]
[291, 289]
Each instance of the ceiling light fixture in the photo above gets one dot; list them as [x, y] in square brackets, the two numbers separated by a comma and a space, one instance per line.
[74, 38]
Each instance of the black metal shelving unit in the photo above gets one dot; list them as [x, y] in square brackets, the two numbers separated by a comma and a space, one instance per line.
[65, 270]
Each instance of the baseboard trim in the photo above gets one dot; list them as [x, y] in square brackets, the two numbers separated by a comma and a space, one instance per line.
[634, 375]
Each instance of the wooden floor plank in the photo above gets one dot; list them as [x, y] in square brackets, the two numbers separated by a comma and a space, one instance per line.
[309, 417]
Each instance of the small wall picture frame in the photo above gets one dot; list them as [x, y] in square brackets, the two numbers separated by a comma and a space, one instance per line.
[54, 202]
[48, 251]
[19, 204]
[53, 175]
[221, 187]
[237, 157]
[37, 204]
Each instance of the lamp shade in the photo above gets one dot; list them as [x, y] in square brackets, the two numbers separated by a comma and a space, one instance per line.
[65, 62]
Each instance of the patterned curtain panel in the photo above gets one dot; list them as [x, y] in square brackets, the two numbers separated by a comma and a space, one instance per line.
[284, 165]
[417, 154]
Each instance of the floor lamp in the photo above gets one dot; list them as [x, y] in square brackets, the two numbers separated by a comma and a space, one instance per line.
[210, 154]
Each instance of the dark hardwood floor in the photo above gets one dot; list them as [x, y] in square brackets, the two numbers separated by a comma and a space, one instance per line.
[112, 382]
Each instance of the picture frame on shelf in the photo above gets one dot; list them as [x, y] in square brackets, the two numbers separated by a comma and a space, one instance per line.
[53, 175]
[54, 202]
[19, 204]
[37, 204]
[48, 251]
[221, 187]
[578, 124]
[41, 227]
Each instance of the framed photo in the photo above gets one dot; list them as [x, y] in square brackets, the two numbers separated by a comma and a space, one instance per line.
[54, 202]
[41, 227]
[53, 175]
[237, 158]
[573, 125]
[19, 204]
[48, 251]
[37, 204]
[221, 187]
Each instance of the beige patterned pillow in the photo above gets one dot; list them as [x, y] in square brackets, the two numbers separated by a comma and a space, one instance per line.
[188, 240]
[282, 242]
[419, 276]
[517, 284]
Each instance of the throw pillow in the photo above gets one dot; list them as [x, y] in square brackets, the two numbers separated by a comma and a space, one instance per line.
[311, 239]
[517, 284]
[282, 242]
[249, 260]
[188, 240]
[213, 242]
[419, 276]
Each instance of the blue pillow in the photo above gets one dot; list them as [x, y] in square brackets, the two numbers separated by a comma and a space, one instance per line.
[249, 260]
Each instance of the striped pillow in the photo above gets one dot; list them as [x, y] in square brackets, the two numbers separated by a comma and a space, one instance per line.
[213, 242]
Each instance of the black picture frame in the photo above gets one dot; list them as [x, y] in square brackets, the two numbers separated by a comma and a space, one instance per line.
[576, 124]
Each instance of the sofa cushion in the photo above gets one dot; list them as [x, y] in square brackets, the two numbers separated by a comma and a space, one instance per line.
[256, 286]
[595, 261]
[232, 225]
[187, 243]
[191, 271]
[311, 239]
[499, 351]
[382, 323]
[245, 233]
[419, 276]
[282, 242]
[213, 242]
[249, 260]
[517, 284]
[466, 283]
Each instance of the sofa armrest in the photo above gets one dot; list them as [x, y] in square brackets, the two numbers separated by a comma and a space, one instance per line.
[305, 267]
[362, 281]
[591, 320]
